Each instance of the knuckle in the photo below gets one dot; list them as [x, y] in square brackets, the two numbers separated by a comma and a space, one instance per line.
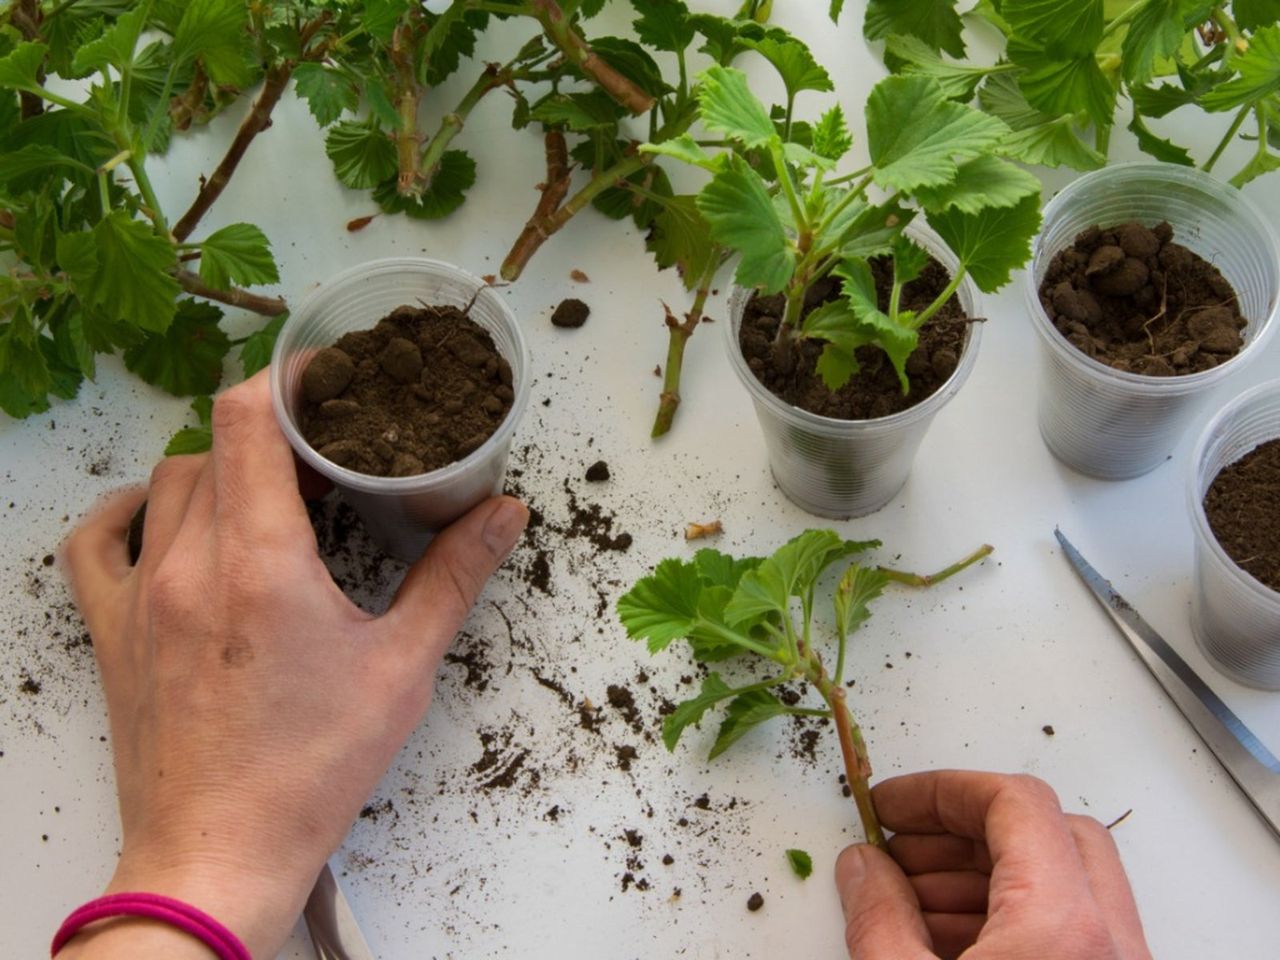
[231, 407]
[171, 469]
[1033, 789]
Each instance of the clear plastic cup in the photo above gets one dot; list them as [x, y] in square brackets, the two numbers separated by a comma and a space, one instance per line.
[1236, 618]
[849, 468]
[1116, 425]
[401, 513]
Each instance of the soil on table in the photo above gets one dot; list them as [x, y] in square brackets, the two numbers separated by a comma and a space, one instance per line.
[1130, 297]
[874, 391]
[422, 389]
[1243, 509]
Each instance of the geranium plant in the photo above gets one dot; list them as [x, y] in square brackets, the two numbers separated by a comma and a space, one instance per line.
[726, 607]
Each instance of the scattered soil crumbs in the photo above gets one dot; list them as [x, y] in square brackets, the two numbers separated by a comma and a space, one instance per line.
[875, 390]
[1130, 297]
[570, 313]
[1048, 730]
[755, 902]
[1243, 509]
[598, 472]
[422, 389]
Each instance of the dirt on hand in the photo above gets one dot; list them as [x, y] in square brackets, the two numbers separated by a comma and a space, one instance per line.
[1130, 297]
[422, 389]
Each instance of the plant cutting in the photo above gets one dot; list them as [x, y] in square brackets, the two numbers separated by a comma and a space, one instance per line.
[1066, 68]
[402, 381]
[833, 250]
[101, 266]
[726, 607]
[1232, 483]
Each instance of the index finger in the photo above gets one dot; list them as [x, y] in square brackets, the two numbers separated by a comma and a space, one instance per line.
[254, 473]
[96, 555]
[1017, 816]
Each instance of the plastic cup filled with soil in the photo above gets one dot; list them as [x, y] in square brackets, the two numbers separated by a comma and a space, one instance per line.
[1149, 285]
[402, 381]
[1234, 494]
[846, 453]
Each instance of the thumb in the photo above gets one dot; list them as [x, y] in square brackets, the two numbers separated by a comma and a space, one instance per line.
[882, 915]
[441, 587]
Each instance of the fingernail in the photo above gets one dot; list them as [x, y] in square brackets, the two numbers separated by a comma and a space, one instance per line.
[851, 867]
[504, 526]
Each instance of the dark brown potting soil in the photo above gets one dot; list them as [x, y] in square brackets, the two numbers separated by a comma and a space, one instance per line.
[422, 389]
[1243, 508]
[874, 391]
[1132, 298]
[570, 313]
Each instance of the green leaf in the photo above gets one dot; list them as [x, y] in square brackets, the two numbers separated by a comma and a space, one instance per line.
[663, 24]
[725, 37]
[801, 863]
[895, 337]
[934, 22]
[633, 62]
[255, 354]
[794, 63]
[25, 379]
[741, 215]
[1260, 163]
[1252, 14]
[188, 441]
[867, 231]
[836, 366]
[187, 358]
[1155, 102]
[836, 323]
[37, 158]
[790, 571]
[746, 711]
[917, 136]
[728, 106]
[680, 237]
[1259, 69]
[663, 606]
[1157, 31]
[114, 48]
[64, 378]
[329, 93]
[1158, 147]
[992, 242]
[857, 589]
[363, 155]
[911, 56]
[909, 260]
[590, 110]
[717, 569]
[448, 190]
[1037, 137]
[239, 254]
[1068, 29]
[984, 182]
[687, 150]
[1062, 86]
[216, 31]
[123, 268]
[692, 710]
[20, 69]
[831, 137]
[381, 16]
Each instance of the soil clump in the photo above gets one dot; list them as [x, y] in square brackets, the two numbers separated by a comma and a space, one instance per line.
[1243, 509]
[570, 314]
[874, 391]
[422, 389]
[1130, 297]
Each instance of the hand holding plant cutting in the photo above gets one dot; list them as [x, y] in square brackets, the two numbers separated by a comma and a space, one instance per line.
[725, 607]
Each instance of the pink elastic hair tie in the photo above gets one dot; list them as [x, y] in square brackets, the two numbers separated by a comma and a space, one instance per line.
[185, 917]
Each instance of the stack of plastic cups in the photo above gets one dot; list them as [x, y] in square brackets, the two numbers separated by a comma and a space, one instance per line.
[400, 513]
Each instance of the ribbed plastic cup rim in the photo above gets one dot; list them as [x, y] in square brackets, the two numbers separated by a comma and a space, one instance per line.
[1196, 494]
[1189, 176]
[834, 426]
[416, 483]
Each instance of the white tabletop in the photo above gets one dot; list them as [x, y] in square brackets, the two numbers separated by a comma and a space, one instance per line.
[968, 675]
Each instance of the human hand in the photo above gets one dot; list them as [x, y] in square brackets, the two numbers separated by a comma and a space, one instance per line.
[252, 706]
[986, 866]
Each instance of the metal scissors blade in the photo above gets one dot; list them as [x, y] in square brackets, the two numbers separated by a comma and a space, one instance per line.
[1250, 764]
[335, 935]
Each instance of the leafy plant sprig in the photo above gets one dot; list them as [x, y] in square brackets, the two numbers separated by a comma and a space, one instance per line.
[725, 607]
[774, 201]
[1067, 68]
[100, 266]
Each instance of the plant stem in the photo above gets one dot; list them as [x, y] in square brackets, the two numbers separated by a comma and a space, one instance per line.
[1226, 140]
[931, 579]
[1124, 18]
[857, 764]
[138, 167]
[939, 302]
[788, 188]
[560, 31]
[259, 118]
[235, 297]
[1102, 138]
[408, 97]
[451, 124]
[678, 336]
